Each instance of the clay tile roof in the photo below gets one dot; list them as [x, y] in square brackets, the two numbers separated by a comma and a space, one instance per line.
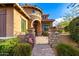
[48, 20]
[45, 15]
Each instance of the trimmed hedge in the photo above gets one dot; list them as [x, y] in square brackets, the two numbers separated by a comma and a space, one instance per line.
[73, 28]
[66, 50]
[10, 47]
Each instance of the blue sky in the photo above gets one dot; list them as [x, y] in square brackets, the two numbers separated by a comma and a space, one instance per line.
[55, 10]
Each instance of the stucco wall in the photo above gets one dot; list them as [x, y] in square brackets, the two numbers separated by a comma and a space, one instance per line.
[2, 22]
[29, 11]
[9, 21]
[36, 15]
[17, 23]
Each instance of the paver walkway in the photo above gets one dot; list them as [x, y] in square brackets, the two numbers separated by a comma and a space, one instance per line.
[42, 48]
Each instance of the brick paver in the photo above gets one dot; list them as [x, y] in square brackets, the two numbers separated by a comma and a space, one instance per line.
[42, 50]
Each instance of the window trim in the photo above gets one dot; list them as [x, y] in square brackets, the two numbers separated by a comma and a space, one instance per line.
[23, 25]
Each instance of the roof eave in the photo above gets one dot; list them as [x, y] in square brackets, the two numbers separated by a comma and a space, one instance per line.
[26, 15]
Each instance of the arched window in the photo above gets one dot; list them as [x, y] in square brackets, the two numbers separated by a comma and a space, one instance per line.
[33, 11]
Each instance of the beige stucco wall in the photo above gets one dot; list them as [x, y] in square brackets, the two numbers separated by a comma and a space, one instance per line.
[2, 22]
[17, 23]
[29, 11]
[9, 21]
[12, 22]
[36, 15]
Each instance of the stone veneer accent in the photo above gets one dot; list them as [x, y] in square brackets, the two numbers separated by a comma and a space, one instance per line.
[53, 37]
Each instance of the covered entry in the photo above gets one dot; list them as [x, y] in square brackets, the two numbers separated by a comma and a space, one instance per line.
[37, 26]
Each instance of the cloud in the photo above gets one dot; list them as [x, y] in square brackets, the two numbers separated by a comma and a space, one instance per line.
[57, 21]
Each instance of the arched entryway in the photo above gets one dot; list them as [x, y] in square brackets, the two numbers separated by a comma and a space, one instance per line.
[37, 27]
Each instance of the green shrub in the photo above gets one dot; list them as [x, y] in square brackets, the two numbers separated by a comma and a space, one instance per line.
[12, 47]
[22, 49]
[66, 50]
[60, 31]
[7, 45]
[74, 29]
[66, 28]
[45, 33]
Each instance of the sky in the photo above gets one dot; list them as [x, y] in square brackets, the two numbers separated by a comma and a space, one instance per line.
[55, 10]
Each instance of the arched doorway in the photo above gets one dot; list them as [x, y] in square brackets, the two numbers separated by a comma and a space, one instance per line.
[36, 26]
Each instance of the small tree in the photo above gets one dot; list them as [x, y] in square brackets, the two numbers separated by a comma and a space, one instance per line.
[74, 29]
[66, 28]
[64, 25]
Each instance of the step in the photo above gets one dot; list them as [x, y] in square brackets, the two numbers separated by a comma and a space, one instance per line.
[41, 40]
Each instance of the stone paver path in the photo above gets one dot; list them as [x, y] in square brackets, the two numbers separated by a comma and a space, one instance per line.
[42, 48]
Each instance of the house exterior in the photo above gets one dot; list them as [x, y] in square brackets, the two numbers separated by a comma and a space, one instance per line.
[46, 23]
[16, 20]
[13, 20]
[35, 14]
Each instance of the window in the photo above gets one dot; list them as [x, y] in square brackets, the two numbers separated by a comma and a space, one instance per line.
[33, 11]
[45, 27]
[23, 25]
[44, 17]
